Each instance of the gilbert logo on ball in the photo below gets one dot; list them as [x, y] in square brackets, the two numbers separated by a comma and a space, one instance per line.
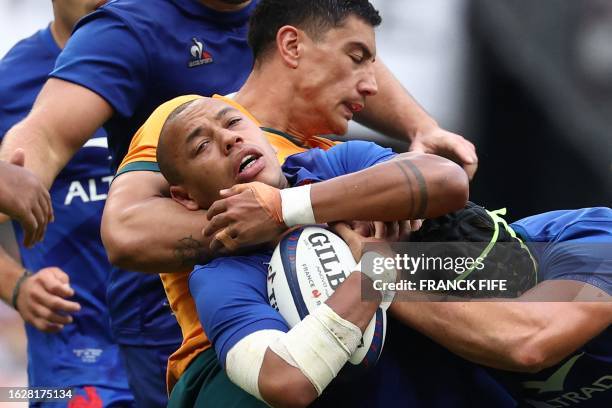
[307, 266]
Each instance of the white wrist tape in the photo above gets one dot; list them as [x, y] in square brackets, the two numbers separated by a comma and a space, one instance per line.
[244, 360]
[296, 206]
[319, 346]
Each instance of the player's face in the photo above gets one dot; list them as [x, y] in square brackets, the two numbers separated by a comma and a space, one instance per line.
[220, 147]
[338, 74]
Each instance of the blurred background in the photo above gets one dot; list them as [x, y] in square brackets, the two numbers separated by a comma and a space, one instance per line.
[528, 82]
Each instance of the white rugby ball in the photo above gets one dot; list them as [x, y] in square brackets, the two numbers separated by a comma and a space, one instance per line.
[306, 267]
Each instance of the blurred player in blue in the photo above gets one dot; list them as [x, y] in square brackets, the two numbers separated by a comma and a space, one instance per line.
[123, 61]
[70, 344]
[551, 347]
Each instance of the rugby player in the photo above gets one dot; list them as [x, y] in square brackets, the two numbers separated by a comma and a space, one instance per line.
[551, 346]
[207, 146]
[124, 60]
[69, 341]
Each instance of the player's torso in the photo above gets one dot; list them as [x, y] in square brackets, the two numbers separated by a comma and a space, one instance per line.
[72, 242]
[191, 50]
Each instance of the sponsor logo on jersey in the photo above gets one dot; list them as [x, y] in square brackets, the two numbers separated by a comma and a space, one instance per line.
[568, 398]
[199, 56]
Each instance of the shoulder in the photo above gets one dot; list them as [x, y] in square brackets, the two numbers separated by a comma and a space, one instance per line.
[584, 225]
[344, 158]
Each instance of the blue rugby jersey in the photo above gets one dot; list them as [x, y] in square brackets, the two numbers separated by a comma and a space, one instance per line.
[136, 55]
[83, 353]
[570, 245]
[412, 371]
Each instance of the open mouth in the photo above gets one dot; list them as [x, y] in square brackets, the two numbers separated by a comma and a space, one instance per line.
[247, 162]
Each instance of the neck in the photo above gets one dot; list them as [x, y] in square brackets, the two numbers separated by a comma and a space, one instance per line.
[219, 5]
[60, 32]
[279, 108]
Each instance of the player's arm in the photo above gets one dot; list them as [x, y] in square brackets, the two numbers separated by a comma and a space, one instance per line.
[63, 117]
[285, 367]
[394, 112]
[519, 335]
[411, 186]
[144, 229]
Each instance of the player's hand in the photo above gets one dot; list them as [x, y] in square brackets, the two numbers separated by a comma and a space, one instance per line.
[24, 198]
[357, 234]
[247, 214]
[447, 144]
[42, 300]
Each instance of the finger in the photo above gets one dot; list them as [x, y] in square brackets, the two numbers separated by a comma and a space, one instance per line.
[380, 230]
[470, 170]
[343, 230]
[234, 190]
[29, 225]
[18, 157]
[47, 206]
[392, 230]
[404, 230]
[56, 287]
[41, 222]
[49, 315]
[224, 238]
[45, 326]
[55, 303]
[216, 223]
[60, 275]
[216, 208]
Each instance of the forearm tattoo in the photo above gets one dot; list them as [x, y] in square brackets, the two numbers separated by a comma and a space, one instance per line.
[416, 194]
[190, 252]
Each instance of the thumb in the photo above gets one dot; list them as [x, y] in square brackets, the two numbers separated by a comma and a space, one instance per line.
[18, 158]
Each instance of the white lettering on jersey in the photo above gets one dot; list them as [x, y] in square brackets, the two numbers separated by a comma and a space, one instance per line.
[76, 189]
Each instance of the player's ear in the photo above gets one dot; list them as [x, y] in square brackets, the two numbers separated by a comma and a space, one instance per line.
[180, 195]
[287, 45]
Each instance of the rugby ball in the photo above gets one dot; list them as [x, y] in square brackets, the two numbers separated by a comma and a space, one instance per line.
[306, 267]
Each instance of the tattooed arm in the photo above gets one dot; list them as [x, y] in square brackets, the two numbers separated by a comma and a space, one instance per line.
[411, 186]
[145, 230]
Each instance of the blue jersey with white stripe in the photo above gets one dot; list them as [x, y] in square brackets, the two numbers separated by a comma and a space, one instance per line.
[570, 245]
[136, 55]
[83, 353]
[412, 371]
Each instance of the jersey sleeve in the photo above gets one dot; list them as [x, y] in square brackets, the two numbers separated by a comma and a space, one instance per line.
[105, 56]
[142, 153]
[574, 258]
[232, 302]
[357, 155]
[316, 165]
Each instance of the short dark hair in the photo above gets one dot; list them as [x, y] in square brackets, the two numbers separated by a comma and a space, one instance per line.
[165, 154]
[315, 17]
[509, 258]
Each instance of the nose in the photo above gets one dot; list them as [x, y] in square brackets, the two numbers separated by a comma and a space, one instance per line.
[368, 86]
[229, 140]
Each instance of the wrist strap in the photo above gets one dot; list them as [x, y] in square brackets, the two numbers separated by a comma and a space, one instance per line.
[26, 274]
[296, 206]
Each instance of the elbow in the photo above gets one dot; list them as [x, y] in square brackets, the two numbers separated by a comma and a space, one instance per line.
[287, 391]
[529, 358]
[455, 187]
[121, 246]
